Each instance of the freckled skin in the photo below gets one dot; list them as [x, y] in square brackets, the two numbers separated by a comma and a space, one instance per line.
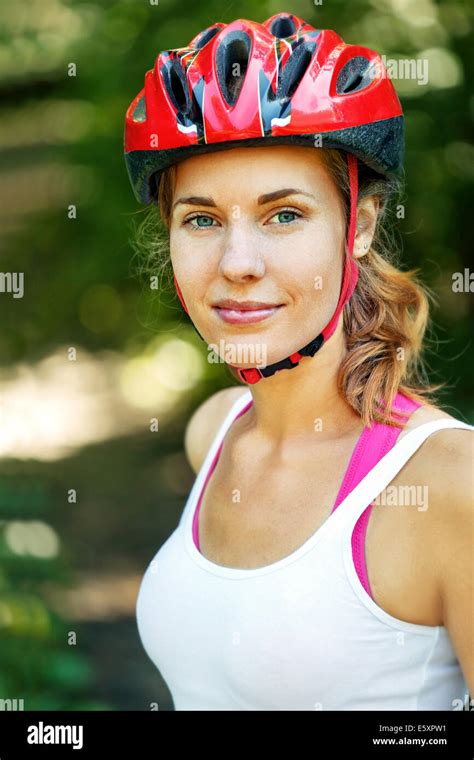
[259, 252]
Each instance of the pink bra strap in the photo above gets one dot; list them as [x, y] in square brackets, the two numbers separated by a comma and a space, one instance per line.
[372, 445]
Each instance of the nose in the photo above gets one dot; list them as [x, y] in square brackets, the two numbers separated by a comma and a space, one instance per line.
[242, 257]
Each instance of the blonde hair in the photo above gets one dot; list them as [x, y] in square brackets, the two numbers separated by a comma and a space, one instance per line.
[385, 320]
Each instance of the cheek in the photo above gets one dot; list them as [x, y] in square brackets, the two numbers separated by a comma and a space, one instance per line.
[178, 251]
[316, 263]
[191, 265]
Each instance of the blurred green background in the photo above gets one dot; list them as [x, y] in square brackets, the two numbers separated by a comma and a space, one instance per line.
[89, 357]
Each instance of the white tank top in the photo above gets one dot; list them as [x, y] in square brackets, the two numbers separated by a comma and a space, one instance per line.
[299, 634]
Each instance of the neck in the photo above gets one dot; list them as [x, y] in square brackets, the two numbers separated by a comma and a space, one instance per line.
[305, 399]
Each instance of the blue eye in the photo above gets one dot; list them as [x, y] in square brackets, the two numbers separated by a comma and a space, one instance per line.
[203, 221]
[199, 218]
[287, 212]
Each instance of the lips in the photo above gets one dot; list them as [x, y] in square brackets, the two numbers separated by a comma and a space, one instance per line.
[245, 312]
[245, 305]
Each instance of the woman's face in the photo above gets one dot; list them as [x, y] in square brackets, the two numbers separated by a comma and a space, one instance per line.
[258, 224]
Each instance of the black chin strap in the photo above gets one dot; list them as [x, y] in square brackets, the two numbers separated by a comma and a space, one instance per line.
[254, 374]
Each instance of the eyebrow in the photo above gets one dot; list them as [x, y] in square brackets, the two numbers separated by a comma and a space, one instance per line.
[201, 200]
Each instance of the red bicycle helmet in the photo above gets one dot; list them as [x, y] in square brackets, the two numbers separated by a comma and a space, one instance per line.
[295, 84]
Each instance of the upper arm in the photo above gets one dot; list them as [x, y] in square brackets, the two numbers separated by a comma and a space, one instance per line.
[205, 422]
[453, 542]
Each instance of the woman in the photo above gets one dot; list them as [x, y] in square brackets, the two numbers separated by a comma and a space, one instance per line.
[272, 151]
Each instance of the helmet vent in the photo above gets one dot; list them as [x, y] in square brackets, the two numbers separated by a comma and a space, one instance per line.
[296, 67]
[283, 27]
[232, 60]
[354, 75]
[139, 112]
[176, 86]
[207, 35]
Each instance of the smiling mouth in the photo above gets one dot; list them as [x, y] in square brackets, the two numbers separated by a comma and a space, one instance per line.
[233, 315]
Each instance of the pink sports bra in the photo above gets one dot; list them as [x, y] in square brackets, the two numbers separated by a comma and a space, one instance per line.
[373, 443]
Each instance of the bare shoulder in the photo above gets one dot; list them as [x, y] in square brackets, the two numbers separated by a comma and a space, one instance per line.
[205, 422]
[444, 464]
[426, 413]
[443, 467]
[446, 454]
